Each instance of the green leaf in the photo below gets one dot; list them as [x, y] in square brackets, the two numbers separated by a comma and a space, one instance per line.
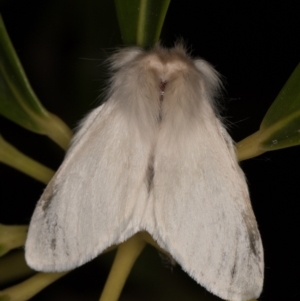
[141, 21]
[280, 127]
[282, 121]
[11, 156]
[30, 287]
[11, 237]
[18, 101]
[13, 267]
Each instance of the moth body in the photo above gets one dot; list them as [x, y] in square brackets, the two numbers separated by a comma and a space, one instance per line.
[154, 157]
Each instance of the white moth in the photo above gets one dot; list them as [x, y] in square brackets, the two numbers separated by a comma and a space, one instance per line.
[154, 157]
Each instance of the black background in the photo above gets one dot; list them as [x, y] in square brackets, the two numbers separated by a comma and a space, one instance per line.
[253, 44]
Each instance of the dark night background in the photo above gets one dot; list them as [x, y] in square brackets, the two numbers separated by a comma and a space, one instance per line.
[253, 44]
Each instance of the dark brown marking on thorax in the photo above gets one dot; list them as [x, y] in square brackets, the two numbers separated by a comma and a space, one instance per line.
[162, 87]
[150, 173]
[150, 169]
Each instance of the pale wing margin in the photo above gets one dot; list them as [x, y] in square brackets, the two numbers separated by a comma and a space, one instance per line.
[201, 204]
[89, 203]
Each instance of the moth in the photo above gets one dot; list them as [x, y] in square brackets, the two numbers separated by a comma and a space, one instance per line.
[154, 157]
